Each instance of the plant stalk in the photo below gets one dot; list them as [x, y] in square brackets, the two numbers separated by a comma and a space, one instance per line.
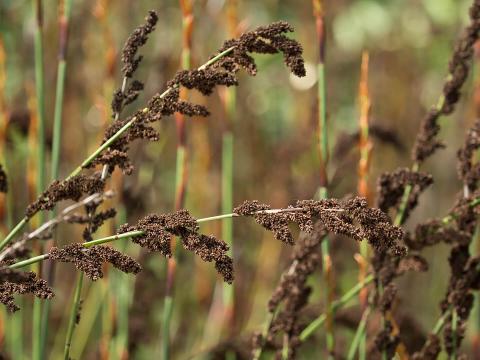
[37, 336]
[49, 269]
[73, 315]
[335, 305]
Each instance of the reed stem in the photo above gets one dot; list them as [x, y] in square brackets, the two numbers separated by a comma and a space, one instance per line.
[64, 19]
[335, 305]
[327, 270]
[73, 315]
[41, 165]
[359, 335]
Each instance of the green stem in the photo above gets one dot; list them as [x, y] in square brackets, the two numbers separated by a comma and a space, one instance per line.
[266, 326]
[13, 232]
[73, 316]
[167, 317]
[57, 118]
[349, 295]
[227, 198]
[359, 334]
[441, 322]
[104, 146]
[15, 322]
[40, 150]
[453, 355]
[64, 20]
[32, 260]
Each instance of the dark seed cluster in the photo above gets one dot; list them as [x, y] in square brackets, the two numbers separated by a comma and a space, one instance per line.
[433, 232]
[468, 169]
[352, 218]
[124, 96]
[137, 39]
[459, 67]
[159, 229]
[267, 40]
[391, 186]
[90, 260]
[430, 350]
[70, 189]
[93, 220]
[17, 282]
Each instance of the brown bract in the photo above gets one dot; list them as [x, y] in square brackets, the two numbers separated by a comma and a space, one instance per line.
[159, 229]
[90, 260]
[18, 282]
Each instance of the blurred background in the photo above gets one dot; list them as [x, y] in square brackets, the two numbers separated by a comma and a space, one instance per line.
[275, 151]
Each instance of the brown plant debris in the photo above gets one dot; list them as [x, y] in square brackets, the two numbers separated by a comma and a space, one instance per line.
[351, 217]
[3, 180]
[426, 142]
[391, 187]
[468, 170]
[159, 229]
[269, 39]
[18, 282]
[137, 39]
[70, 189]
[90, 260]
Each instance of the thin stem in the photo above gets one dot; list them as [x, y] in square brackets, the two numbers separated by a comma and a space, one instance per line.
[73, 316]
[441, 322]
[227, 203]
[14, 232]
[327, 270]
[40, 165]
[349, 295]
[64, 21]
[359, 334]
[266, 326]
[453, 355]
[32, 260]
